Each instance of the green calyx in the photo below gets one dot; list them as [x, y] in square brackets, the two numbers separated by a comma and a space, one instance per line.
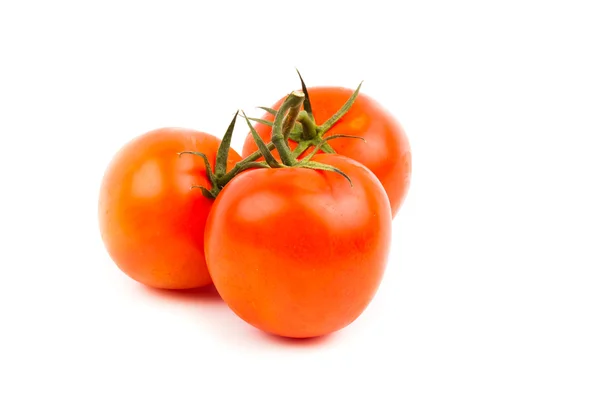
[290, 123]
[290, 111]
[305, 131]
[220, 176]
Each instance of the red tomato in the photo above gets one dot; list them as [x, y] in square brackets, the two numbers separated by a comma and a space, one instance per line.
[386, 150]
[151, 220]
[298, 252]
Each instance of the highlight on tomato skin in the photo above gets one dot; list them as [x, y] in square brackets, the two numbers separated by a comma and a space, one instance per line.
[385, 150]
[151, 220]
[298, 252]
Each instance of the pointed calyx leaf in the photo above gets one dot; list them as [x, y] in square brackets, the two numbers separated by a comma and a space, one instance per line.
[264, 150]
[207, 193]
[254, 164]
[323, 145]
[261, 121]
[323, 167]
[341, 112]
[306, 104]
[269, 110]
[327, 148]
[328, 138]
[209, 172]
[223, 152]
[214, 190]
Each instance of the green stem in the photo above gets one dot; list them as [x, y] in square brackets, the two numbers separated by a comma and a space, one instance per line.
[241, 165]
[294, 100]
[290, 121]
[309, 128]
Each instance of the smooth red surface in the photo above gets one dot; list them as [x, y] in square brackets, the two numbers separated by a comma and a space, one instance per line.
[152, 222]
[386, 150]
[297, 252]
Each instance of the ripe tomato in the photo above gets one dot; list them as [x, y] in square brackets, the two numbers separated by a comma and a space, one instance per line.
[151, 220]
[385, 151]
[298, 252]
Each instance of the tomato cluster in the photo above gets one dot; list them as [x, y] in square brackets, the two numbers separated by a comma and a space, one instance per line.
[295, 235]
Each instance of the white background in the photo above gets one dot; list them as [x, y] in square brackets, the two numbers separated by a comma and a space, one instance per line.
[493, 286]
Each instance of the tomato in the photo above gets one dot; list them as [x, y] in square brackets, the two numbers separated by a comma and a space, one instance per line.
[298, 252]
[151, 220]
[385, 151]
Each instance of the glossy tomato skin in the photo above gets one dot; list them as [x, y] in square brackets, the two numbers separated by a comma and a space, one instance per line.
[386, 150]
[151, 220]
[297, 252]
